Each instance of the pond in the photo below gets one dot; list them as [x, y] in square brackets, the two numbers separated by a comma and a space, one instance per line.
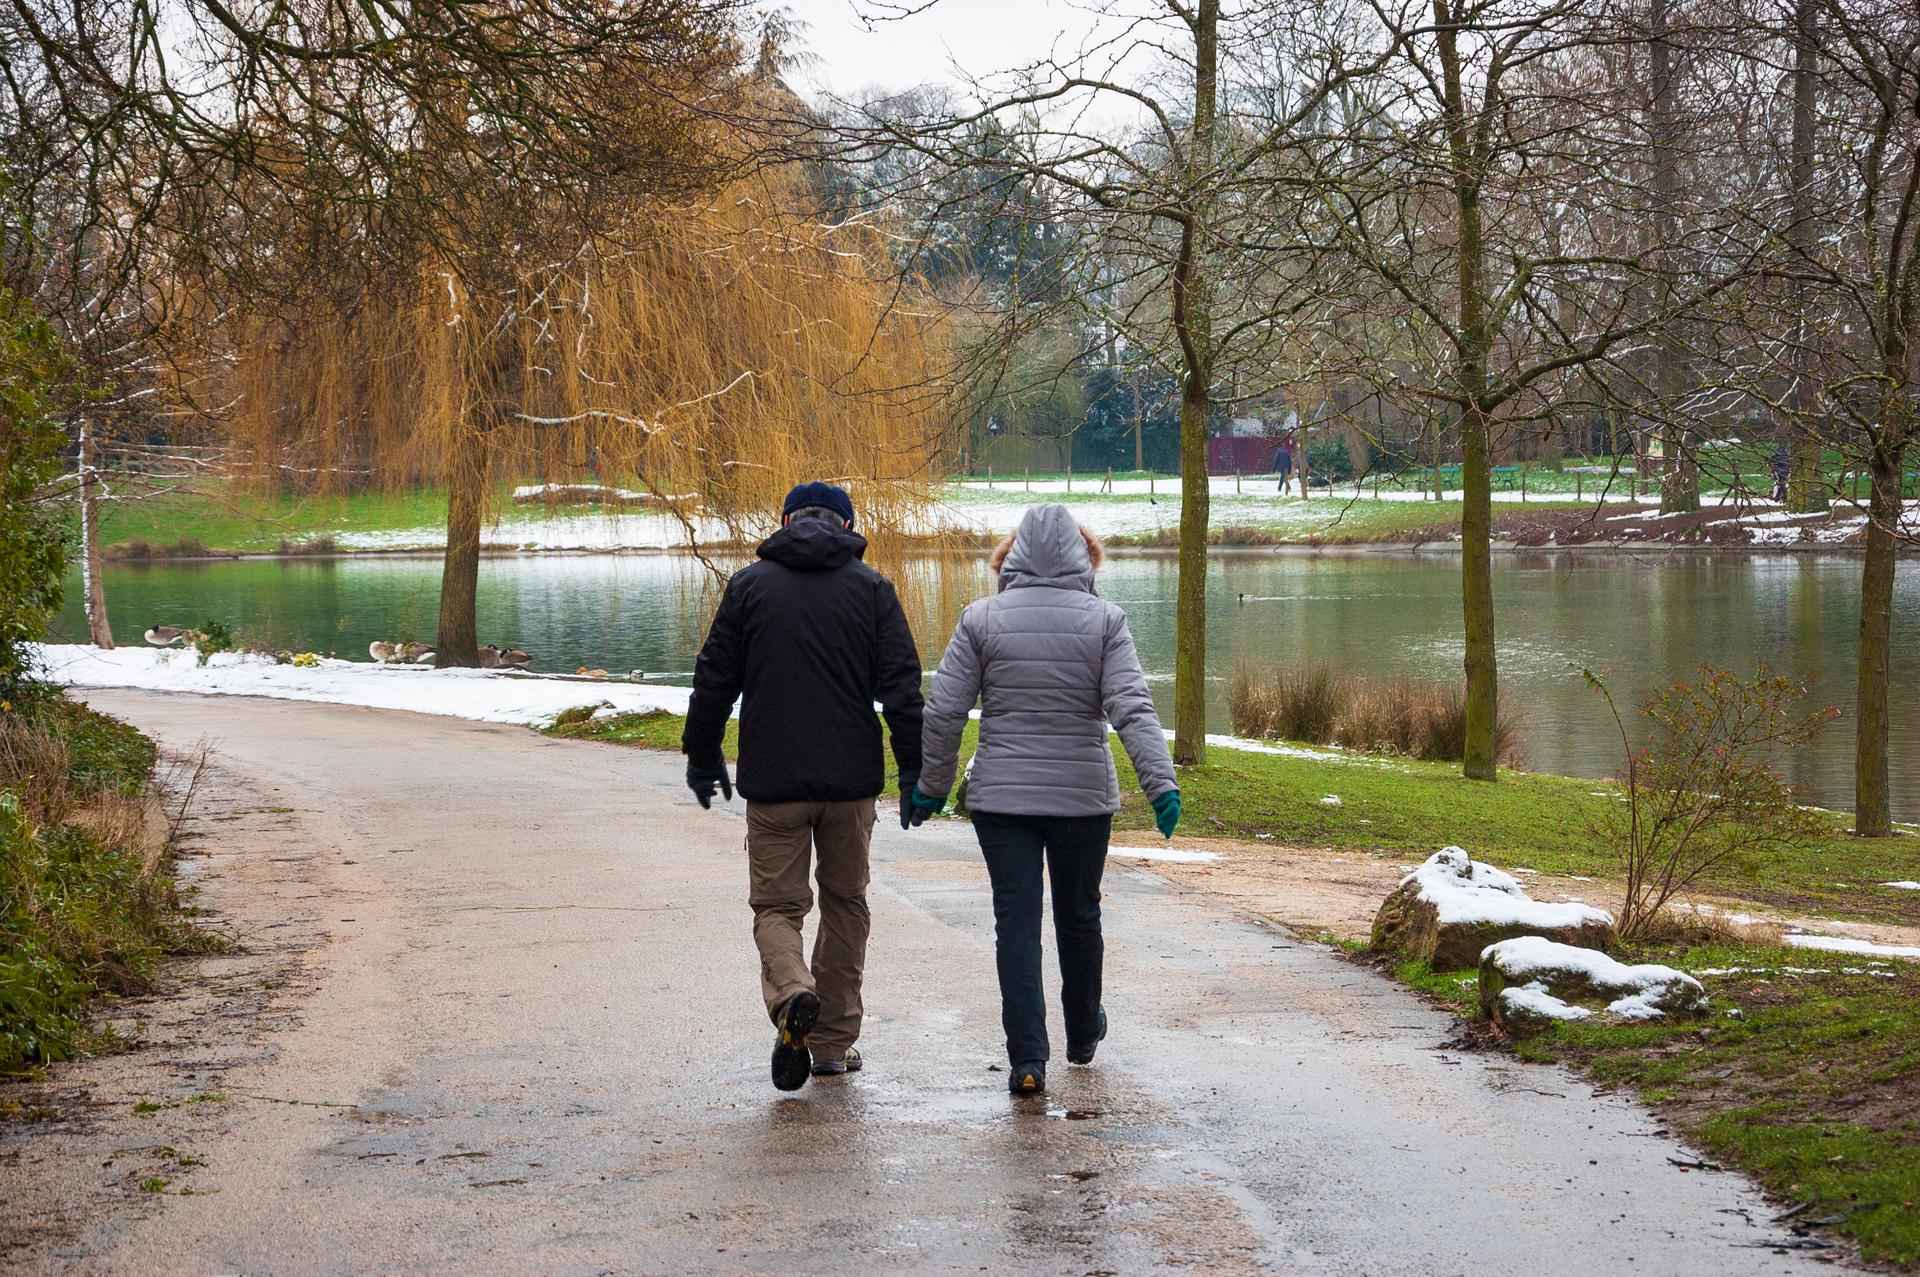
[1644, 619]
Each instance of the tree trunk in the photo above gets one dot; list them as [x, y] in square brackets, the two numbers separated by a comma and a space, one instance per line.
[1190, 644]
[1193, 324]
[1872, 804]
[93, 589]
[1476, 469]
[1680, 485]
[457, 642]
[1139, 424]
[1476, 596]
[1806, 486]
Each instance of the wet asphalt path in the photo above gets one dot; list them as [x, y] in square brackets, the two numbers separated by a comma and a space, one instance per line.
[533, 1013]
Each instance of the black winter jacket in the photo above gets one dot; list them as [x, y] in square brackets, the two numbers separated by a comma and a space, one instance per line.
[811, 638]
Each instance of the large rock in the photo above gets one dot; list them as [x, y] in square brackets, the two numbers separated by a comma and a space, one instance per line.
[1530, 983]
[1451, 908]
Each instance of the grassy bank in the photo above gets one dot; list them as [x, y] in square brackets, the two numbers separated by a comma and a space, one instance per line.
[1404, 809]
[87, 904]
[227, 518]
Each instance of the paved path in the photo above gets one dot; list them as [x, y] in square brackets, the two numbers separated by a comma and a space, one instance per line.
[510, 982]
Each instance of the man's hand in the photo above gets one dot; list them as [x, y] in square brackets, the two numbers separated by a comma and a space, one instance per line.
[909, 781]
[1166, 812]
[915, 807]
[702, 777]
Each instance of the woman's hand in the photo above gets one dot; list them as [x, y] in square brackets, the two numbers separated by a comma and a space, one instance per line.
[915, 806]
[1166, 812]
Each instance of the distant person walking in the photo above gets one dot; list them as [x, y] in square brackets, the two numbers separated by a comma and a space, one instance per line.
[810, 637]
[1051, 665]
[1283, 463]
[1781, 464]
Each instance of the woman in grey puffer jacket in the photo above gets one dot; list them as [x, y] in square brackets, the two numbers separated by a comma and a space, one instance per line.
[1052, 664]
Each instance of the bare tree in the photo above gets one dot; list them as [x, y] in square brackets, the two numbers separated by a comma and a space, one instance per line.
[1496, 205]
[1866, 272]
[1155, 147]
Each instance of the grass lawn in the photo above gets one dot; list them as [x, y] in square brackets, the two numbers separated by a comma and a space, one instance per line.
[1406, 810]
[229, 517]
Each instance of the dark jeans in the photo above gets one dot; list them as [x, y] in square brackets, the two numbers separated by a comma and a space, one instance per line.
[1074, 851]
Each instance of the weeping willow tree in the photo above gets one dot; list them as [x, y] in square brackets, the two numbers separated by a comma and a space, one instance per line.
[711, 354]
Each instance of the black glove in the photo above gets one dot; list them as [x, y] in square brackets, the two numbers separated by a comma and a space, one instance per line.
[908, 782]
[702, 777]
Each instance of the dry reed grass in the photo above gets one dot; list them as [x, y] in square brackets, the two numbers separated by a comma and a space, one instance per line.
[1318, 706]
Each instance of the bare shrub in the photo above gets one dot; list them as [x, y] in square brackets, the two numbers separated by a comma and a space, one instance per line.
[1701, 790]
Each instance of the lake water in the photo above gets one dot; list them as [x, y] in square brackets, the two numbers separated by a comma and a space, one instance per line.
[1646, 620]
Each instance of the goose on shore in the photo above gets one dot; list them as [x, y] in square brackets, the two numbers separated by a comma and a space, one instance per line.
[165, 635]
[383, 651]
[496, 658]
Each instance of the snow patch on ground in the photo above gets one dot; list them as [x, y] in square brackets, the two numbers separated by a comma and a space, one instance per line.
[488, 695]
[1172, 855]
[1904, 886]
[1847, 944]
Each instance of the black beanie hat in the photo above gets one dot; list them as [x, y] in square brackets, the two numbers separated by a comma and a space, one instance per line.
[824, 495]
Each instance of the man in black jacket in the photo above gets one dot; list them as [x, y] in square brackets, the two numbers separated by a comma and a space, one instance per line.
[811, 638]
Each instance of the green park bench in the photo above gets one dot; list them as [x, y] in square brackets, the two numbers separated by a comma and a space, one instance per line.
[1506, 476]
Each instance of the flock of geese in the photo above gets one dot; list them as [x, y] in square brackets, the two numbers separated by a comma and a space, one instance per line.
[492, 657]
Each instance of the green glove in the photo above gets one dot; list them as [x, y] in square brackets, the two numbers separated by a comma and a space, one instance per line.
[923, 805]
[1166, 812]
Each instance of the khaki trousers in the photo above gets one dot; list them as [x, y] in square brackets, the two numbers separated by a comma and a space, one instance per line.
[779, 839]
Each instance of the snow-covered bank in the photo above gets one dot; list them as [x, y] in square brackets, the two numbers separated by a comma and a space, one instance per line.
[1134, 508]
[488, 695]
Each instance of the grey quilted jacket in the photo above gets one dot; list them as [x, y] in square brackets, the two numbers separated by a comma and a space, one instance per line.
[1051, 664]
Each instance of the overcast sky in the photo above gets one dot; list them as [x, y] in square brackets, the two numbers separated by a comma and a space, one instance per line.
[856, 48]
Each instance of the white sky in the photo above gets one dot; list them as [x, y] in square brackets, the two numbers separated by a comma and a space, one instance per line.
[857, 49]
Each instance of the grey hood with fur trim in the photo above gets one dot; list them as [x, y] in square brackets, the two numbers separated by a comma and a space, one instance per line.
[1051, 665]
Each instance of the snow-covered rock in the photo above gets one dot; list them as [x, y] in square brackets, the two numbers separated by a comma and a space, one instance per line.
[1530, 983]
[1452, 907]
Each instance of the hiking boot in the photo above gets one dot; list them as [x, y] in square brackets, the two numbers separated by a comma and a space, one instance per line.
[1084, 1054]
[1027, 1079]
[848, 1063]
[792, 1064]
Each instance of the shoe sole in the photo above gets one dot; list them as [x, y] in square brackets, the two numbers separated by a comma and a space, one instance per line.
[1028, 1083]
[792, 1062]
